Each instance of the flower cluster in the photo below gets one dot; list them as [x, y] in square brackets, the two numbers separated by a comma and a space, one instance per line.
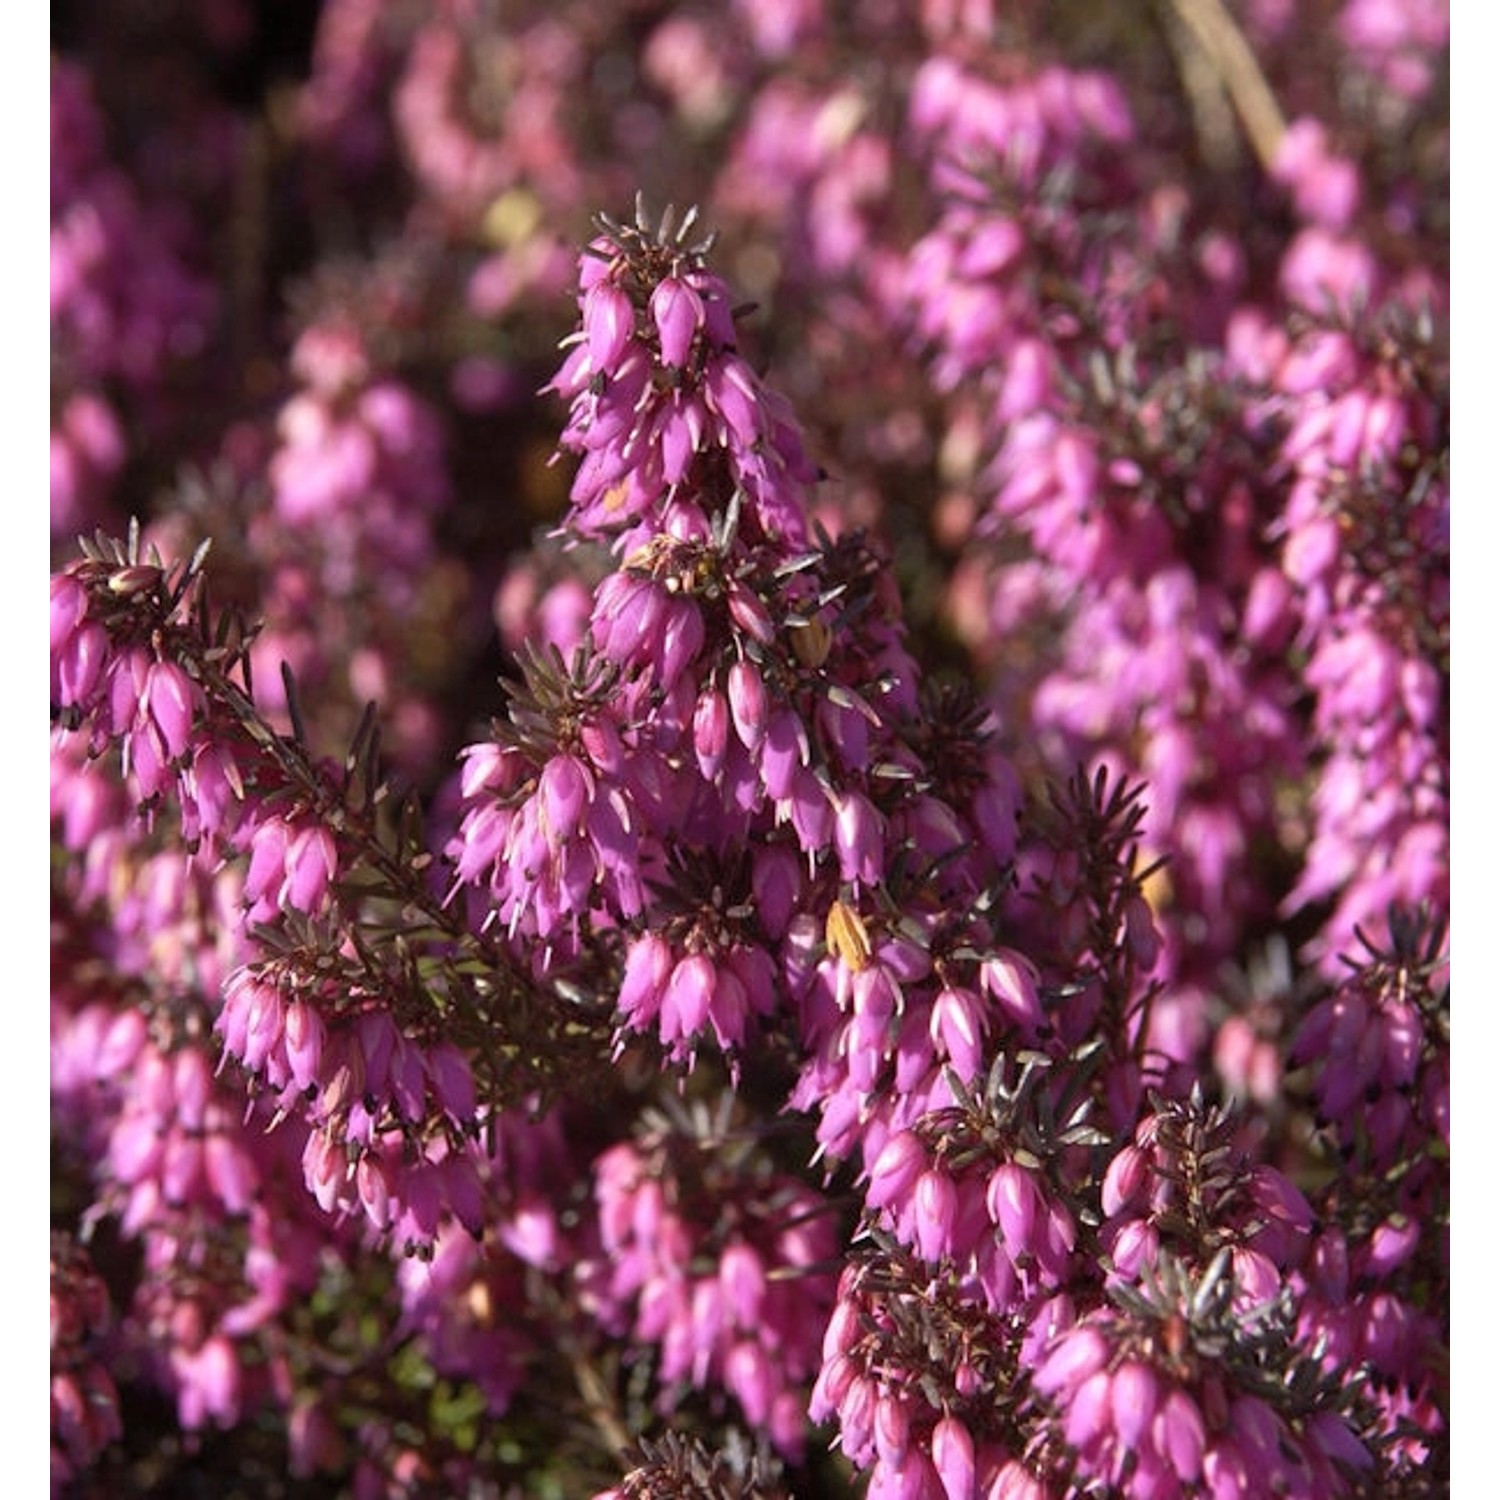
[1157, 1398]
[720, 1265]
[127, 302]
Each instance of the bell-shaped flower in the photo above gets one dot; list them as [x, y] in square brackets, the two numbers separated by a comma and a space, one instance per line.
[677, 311]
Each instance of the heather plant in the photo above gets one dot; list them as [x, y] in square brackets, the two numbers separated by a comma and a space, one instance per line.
[796, 847]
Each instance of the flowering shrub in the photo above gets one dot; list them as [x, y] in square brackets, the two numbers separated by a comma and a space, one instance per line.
[790, 848]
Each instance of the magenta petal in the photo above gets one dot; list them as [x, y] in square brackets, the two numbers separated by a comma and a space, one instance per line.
[936, 1205]
[311, 861]
[688, 992]
[776, 879]
[564, 789]
[894, 1172]
[749, 1375]
[710, 732]
[809, 809]
[742, 1275]
[170, 696]
[230, 1173]
[892, 1426]
[304, 1034]
[80, 664]
[1014, 1204]
[1133, 1396]
[1181, 1435]
[953, 1458]
[747, 704]
[677, 311]
[682, 640]
[1088, 1411]
[1124, 1179]
[681, 438]
[732, 387]
[957, 1025]
[608, 320]
[859, 839]
[1076, 1355]
[68, 605]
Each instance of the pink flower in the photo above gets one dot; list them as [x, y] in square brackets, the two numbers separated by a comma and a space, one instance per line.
[749, 1375]
[208, 1384]
[783, 752]
[895, 1170]
[608, 322]
[1134, 1392]
[953, 1458]
[858, 839]
[1011, 980]
[743, 1279]
[311, 863]
[747, 704]
[78, 666]
[710, 732]
[1075, 1356]
[648, 966]
[686, 998]
[957, 1026]
[677, 311]
[1016, 1206]
[564, 789]
[934, 1212]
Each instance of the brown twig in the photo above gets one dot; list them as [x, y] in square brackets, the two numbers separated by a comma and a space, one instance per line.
[1219, 44]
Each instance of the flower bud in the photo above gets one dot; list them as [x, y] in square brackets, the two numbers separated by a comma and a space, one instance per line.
[324, 1169]
[213, 1377]
[749, 1375]
[895, 1170]
[1011, 980]
[681, 640]
[374, 1189]
[686, 1000]
[710, 732]
[170, 696]
[1072, 1358]
[648, 966]
[1393, 1242]
[953, 1458]
[747, 704]
[742, 1277]
[1181, 1435]
[563, 791]
[230, 1173]
[892, 1427]
[80, 664]
[957, 1026]
[1124, 1179]
[783, 753]
[608, 321]
[304, 1034]
[452, 1082]
[748, 612]
[858, 838]
[1088, 1411]
[1015, 1204]
[677, 311]
[732, 388]
[936, 1212]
